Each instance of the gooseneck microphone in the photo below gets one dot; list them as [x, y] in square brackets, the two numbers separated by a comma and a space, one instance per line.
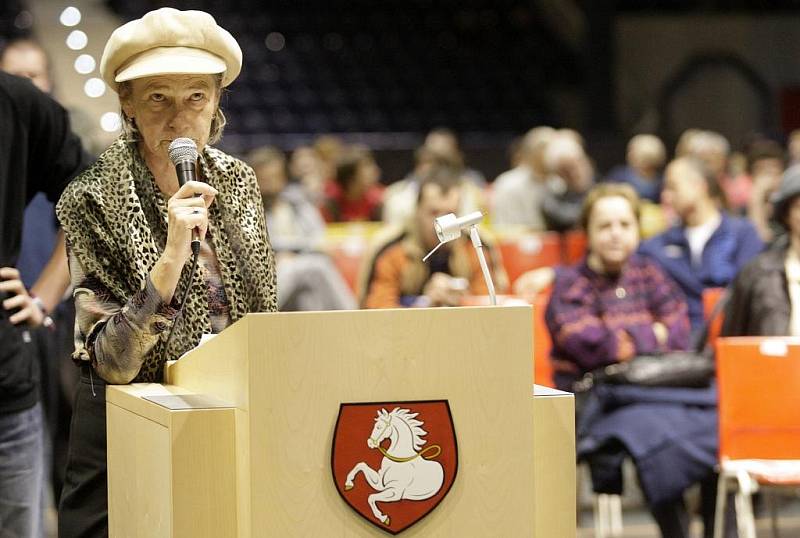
[183, 154]
[448, 228]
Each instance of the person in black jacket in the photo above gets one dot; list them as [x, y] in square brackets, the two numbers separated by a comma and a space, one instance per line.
[38, 153]
[765, 297]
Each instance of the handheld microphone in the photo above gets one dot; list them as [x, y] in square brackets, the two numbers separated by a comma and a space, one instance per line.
[183, 154]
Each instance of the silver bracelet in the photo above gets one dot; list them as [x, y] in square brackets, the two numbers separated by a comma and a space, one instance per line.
[47, 321]
[39, 303]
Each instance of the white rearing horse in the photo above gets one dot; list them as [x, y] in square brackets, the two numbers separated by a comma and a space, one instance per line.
[406, 472]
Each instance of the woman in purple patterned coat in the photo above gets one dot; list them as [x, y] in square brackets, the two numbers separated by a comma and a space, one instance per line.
[615, 304]
[609, 308]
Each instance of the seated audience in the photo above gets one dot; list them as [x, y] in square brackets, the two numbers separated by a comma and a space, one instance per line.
[765, 297]
[444, 144]
[707, 247]
[400, 198]
[356, 193]
[518, 193]
[307, 279]
[611, 307]
[765, 166]
[793, 147]
[306, 168]
[685, 142]
[571, 175]
[714, 151]
[397, 276]
[646, 157]
[329, 149]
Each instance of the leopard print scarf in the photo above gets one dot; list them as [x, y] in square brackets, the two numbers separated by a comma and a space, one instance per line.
[115, 220]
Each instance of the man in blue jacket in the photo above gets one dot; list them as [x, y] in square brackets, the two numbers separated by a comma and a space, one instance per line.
[708, 247]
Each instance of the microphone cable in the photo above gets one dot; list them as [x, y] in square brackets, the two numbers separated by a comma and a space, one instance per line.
[179, 316]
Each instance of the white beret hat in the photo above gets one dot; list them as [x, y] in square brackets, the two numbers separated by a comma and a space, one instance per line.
[167, 42]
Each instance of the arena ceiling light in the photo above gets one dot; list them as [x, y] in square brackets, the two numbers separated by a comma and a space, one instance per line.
[71, 16]
[77, 40]
[275, 41]
[85, 64]
[110, 122]
[94, 87]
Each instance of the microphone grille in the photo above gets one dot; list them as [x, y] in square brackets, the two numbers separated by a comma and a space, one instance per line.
[182, 149]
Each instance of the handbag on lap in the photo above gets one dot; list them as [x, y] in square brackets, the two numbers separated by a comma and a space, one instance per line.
[689, 369]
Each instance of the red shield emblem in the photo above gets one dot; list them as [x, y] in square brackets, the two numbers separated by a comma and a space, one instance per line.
[394, 462]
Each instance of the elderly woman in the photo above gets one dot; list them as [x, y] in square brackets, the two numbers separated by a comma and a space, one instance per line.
[129, 225]
[611, 307]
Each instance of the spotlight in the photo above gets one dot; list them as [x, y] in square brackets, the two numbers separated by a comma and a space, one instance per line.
[71, 16]
[84, 64]
[94, 87]
[77, 40]
[110, 122]
[275, 41]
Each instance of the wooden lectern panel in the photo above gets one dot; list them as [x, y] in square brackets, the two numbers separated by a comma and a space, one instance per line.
[301, 366]
[170, 471]
[556, 499]
[141, 461]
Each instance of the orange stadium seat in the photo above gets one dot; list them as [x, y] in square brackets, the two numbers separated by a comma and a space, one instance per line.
[711, 297]
[575, 246]
[543, 368]
[759, 421]
[524, 252]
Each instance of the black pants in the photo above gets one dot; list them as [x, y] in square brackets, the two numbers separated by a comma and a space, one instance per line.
[83, 510]
[673, 519]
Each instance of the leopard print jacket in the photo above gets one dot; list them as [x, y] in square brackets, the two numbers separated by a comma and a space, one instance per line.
[115, 221]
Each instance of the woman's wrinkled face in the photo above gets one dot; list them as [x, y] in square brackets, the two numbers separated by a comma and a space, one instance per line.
[166, 107]
[613, 231]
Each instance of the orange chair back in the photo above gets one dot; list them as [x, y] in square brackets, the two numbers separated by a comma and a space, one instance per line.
[542, 367]
[711, 297]
[759, 398]
[529, 251]
[575, 246]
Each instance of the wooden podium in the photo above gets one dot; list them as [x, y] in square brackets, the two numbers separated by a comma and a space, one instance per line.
[238, 441]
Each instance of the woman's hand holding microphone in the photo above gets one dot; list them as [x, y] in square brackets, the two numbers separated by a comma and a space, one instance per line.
[188, 210]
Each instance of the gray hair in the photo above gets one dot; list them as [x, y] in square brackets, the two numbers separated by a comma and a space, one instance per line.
[131, 132]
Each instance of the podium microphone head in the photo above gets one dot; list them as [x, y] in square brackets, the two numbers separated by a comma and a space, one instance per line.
[448, 227]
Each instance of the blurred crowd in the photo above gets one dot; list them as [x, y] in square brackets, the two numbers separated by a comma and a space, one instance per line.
[549, 175]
